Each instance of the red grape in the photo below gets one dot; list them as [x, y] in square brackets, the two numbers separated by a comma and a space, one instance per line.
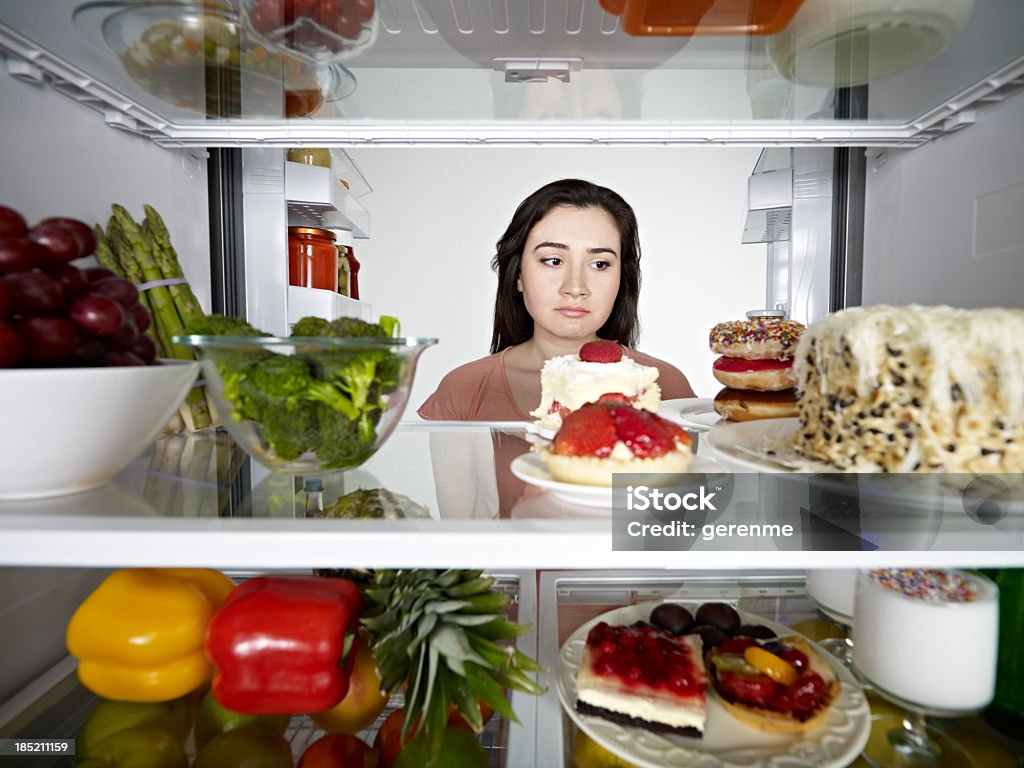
[95, 274]
[97, 314]
[10, 346]
[70, 278]
[47, 339]
[33, 293]
[121, 357]
[124, 337]
[89, 351]
[12, 223]
[141, 317]
[59, 244]
[120, 290]
[81, 231]
[5, 301]
[144, 347]
[19, 255]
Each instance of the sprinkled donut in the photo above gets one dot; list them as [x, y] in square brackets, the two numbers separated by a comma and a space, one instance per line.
[757, 339]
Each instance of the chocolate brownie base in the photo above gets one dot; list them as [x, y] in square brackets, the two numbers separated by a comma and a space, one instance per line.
[617, 717]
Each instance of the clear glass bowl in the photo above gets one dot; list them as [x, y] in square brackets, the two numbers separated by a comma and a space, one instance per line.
[323, 31]
[309, 404]
[197, 56]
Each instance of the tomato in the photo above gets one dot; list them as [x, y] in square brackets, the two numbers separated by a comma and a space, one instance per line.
[362, 9]
[338, 750]
[456, 720]
[346, 25]
[267, 16]
[301, 8]
[389, 739]
[364, 700]
[326, 12]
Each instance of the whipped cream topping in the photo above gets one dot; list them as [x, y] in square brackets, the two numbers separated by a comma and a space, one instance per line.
[573, 382]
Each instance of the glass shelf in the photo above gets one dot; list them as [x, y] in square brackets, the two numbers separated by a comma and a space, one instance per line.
[605, 86]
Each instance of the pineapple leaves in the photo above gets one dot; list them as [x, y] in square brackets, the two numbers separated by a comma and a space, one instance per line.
[441, 633]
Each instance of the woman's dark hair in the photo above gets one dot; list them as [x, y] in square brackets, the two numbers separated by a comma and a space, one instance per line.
[512, 323]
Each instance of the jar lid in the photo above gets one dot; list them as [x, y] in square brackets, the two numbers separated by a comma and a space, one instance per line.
[773, 314]
[311, 231]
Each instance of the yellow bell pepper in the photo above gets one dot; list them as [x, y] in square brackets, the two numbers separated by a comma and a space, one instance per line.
[139, 635]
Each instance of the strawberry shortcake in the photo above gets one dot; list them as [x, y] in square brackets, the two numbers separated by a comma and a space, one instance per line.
[599, 439]
[569, 381]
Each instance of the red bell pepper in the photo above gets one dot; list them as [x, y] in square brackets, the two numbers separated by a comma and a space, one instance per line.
[279, 644]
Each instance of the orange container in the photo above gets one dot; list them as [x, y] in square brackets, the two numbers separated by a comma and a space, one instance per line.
[703, 17]
[312, 258]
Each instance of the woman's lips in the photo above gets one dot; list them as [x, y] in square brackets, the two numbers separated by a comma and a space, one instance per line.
[572, 311]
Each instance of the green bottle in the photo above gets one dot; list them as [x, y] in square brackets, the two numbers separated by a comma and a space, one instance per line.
[1006, 713]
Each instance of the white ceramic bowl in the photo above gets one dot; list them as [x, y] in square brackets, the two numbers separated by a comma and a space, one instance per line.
[65, 430]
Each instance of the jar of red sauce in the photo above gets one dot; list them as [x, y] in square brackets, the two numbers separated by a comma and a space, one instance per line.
[312, 258]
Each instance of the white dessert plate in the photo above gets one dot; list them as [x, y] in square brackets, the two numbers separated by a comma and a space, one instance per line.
[758, 446]
[530, 468]
[727, 743]
[696, 414]
[534, 428]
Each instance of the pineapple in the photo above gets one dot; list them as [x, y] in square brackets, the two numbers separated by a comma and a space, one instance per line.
[437, 631]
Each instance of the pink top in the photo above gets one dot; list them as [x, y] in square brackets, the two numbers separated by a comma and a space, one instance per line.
[479, 391]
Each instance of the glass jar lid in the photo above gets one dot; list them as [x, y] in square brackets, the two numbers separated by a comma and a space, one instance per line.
[317, 232]
[768, 314]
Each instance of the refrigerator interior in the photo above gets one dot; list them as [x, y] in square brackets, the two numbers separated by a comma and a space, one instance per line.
[446, 153]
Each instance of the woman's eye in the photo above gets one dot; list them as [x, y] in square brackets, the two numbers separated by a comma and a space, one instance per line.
[601, 265]
[551, 261]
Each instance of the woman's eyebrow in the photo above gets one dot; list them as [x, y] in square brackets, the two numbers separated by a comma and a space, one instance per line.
[564, 247]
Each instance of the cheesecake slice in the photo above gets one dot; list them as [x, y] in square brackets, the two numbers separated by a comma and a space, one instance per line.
[645, 677]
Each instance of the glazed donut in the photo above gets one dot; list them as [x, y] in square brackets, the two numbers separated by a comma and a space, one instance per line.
[748, 405]
[758, 339]
[760, 375]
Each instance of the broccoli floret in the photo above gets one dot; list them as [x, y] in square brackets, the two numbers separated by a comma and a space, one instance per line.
[310, 326]
[340, 444]
[220, 325]
[351, 327]
[272, 394]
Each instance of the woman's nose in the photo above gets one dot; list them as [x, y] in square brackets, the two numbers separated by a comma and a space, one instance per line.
[574, 282]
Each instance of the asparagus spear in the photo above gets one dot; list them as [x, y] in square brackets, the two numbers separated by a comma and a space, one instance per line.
[119, 244]
[158, 239]
[170, 267]
[165, 315]
[104, 255]
[111, 244]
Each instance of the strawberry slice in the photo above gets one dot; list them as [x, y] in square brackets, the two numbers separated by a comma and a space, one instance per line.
[802, 698]
[587, 431]
[750, 689]
[613, 397]
[641, 432]
[601, 351]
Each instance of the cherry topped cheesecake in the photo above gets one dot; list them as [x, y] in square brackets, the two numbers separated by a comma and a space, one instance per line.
[780, 685]
[643, 676]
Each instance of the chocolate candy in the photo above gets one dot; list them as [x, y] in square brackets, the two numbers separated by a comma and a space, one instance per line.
[721, 615]
[756, 631]
[672, 618]
[710, 636]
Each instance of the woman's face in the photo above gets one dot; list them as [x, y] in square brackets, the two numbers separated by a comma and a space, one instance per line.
[569, 274]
